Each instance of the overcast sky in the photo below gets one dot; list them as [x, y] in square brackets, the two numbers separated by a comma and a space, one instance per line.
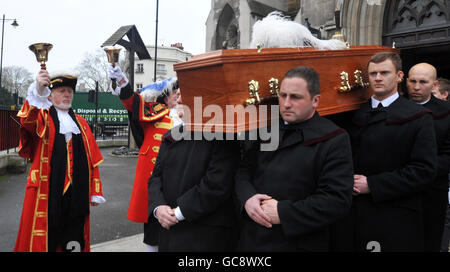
[75, 27]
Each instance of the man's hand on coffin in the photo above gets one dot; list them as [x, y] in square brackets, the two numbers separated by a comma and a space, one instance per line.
[270, 207]
[166, 216]
[117, 74]
[42, 81]
[360, 185]
[255, 212]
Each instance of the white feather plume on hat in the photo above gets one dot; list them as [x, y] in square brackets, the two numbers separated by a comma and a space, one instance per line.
[159, 88]
[276, 31]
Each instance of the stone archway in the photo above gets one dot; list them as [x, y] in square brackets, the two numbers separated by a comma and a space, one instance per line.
[417, 22]
[227, 29]
[421, 29]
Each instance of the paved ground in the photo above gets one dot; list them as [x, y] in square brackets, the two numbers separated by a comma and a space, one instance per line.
[108, 221]
[127, 244]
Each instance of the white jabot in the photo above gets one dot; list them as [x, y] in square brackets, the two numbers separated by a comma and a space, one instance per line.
[67, 125]
[37, 100]
[385, 102]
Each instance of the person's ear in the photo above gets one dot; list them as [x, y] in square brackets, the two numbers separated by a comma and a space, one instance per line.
[400, 76]
[316, 100]
[436, 85]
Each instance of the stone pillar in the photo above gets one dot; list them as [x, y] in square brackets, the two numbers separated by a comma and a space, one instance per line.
[363, 23]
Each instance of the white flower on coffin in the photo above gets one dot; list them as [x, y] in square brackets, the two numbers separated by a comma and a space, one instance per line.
[276, 31]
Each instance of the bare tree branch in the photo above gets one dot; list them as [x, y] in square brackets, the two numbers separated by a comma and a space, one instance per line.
[16, 79]
[93, 68]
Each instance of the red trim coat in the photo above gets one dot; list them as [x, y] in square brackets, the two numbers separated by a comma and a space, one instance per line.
[37, 136]
[155, 121]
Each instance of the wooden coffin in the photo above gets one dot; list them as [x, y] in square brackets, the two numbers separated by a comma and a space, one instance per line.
[222, 78]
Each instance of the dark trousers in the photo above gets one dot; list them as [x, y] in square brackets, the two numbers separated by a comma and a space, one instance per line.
[436, 202]
[151, 232]
[446, 236]
[194, 237]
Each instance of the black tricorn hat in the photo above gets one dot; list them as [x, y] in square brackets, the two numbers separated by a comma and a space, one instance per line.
[64, 78]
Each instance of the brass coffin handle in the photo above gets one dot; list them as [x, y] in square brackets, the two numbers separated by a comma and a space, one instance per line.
[359, 81]
[255, 99]
[345, 82]
[274, 86]
[253, 89]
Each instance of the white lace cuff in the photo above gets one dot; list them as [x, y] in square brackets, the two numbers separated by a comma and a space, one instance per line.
[98, 199]
[37, 100]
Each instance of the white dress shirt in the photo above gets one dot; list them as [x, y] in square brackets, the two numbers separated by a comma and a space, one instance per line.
[385, 102]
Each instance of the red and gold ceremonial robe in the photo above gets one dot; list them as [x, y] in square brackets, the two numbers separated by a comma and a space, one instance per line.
[37, 137]
[154, 120]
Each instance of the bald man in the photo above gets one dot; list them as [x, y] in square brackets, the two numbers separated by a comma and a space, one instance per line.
[394, 156]
[422, 81]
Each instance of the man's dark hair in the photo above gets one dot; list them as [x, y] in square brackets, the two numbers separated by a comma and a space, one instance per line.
[444, 86]
[309, 75]
[382, 56]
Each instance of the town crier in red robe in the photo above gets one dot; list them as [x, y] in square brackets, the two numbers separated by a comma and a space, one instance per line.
[152, 111]
[64, 178]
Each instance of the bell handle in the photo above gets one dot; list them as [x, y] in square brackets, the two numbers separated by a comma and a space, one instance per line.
[113, 83]
[113, 80]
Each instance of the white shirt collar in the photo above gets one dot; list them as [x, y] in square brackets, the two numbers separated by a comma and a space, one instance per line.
[67, 125]
[385, 102]
[423, 103]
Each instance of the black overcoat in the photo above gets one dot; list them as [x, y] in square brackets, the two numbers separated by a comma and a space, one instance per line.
[197, 176]
[311, 176]
[395, 148]
[436, 196]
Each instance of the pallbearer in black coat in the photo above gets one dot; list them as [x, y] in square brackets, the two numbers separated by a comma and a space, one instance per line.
[190, 193]
[394, 154]
[421, 82]
[290, 196]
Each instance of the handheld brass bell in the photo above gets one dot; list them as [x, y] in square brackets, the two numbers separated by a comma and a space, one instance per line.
[41, 52]
[113, 57]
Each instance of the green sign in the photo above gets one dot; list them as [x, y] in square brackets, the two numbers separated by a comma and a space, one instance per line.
[110, 109]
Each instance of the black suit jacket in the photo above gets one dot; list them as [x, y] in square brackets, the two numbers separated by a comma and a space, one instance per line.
[197, 176]
[441, 115]
[395, 148]
[436, 196]
[311, 176]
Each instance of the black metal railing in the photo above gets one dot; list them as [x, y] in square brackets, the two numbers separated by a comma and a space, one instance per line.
[113, 132]
[9, 129]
